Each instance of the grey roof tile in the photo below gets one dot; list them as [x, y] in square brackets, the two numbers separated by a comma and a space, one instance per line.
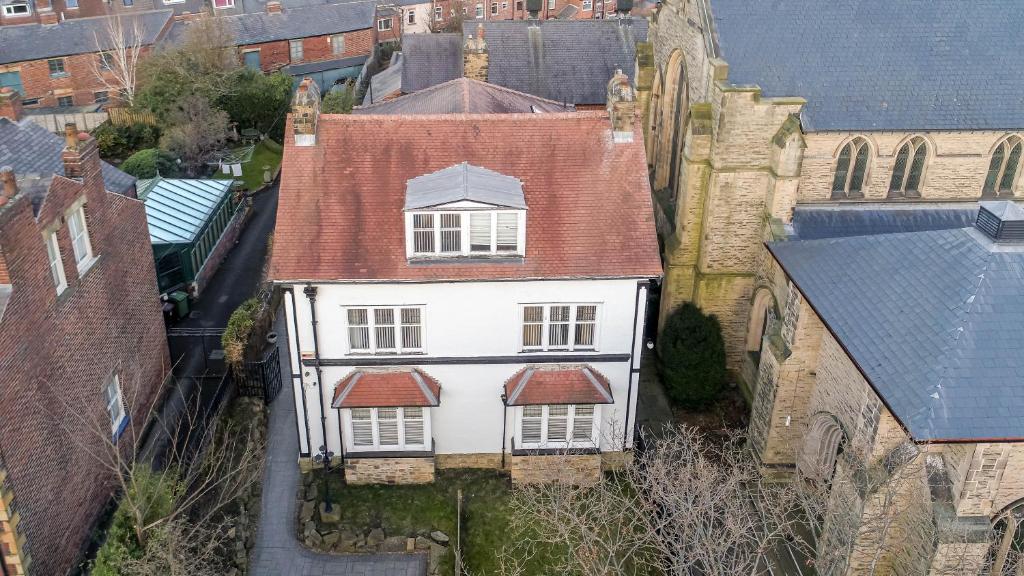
[567, 61]
[464, 182]
[932, 318]
[836, 221]
[75, 36]
[31, 149]
[880, 64]
[387, 82]
[464, 96]
[291, 23]
[430, 59]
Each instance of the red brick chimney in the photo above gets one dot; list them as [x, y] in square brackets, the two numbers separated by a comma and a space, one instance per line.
[81, 155]
[273, 7]
[8, 186]
[10, 104]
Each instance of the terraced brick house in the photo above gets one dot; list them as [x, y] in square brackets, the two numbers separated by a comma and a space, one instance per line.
[478, 304]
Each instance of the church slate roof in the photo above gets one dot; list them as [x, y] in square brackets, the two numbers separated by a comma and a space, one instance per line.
[932, 319]
[567, 61]
[880, 64]
[841, 220]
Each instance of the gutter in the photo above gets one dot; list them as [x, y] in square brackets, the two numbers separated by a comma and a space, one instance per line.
[310, 292]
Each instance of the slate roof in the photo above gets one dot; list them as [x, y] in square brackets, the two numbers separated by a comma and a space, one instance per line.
[31, 149]
[340, 216]
[386, 388]
[324, 65]
[555, 384]
[385, 83]
[931, 318]
[881, 64]
[430, 59]
[464, 95]
[567, 61]
[464, 182]
[836, 221]
[24, 42]
[292, 23]
[178, 209]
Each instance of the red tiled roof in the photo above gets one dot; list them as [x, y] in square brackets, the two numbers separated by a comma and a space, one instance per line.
[589, 203]
[386, 388]
[579, 384]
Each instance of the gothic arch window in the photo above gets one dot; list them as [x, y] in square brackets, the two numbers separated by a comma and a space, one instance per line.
[674, 105]
[1006, 557]
[654, 122]
[908, 171]
[851, 169]
[822, 444]
[1003, 168]
[762, 314]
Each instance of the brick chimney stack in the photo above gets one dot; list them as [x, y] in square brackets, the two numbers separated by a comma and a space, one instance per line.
[306, 112]
[80, 155]
[10, 104]
[474, 56]
[621, 106]
[8, 185]
[273, 7]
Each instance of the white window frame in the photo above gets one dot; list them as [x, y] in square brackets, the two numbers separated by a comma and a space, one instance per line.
[292, 44]
[227, 4]
[592, 442]
[588, 5]
[9, 9]
[400, 347]
[337, 44]
[115, 420]
[466, 217]
[494, 8]
[82, 261]
[438, 13]
[376, 446]
[381, 27]
[479, 10]
[412, 17]
[551, 4]
[571, 345]
[56, 262]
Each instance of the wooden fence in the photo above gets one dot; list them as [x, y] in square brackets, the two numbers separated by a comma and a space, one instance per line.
[128, 116]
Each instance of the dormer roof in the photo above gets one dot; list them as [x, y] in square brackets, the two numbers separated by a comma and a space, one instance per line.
[463, 182]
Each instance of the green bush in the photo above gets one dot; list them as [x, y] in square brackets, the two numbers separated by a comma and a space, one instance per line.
[258, 101]
[691, 357]
[153, 492]
[237, 332]
[119, 142]
[150, 163]
[340, 100]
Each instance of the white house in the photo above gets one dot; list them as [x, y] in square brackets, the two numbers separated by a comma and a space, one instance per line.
[465, 290]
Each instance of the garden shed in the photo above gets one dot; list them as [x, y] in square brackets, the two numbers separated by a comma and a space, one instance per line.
[187, 223]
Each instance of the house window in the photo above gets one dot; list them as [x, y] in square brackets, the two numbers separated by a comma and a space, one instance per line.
[223, 3]
[18, 9]
[451, 233]
[1002, 170]
[851, 167]
[588, 4]
[106, 61]
[907, 171]
[338, 43]
[128, 3]
[519, 6]
[551, 4]
[115, 405]
[466, 233]
[295, 50]
[71, 4]
[384, 24]
[80, 239]
[385, 330]
[559, 327]
[65, 101]
[479, 10]
[404, 428]
[56, 265]
[438, 13]
[423, 233]
[412, 17]
[30, 102]
[558, 426]
[56, 66]
[504, 6]
[101, 97]
[494, 8]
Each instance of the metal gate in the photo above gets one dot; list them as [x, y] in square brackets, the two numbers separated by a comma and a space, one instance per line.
[262, 378]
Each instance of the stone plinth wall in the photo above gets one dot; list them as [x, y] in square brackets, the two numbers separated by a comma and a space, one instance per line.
[389, 470]
[577, 469]
[479, 460]
[611, 461]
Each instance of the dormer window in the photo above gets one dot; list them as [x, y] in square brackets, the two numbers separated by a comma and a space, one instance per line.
[465, 210]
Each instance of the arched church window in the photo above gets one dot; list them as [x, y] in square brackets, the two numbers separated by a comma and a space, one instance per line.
[908, 171]
[1003, 168]
[851, 169]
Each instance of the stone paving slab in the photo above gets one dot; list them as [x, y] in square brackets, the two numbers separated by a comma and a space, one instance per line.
[277, 551]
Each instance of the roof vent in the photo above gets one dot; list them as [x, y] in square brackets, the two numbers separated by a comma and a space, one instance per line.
[1001, 221]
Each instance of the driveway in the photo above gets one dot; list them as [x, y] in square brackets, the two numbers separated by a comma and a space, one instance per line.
[277, 551]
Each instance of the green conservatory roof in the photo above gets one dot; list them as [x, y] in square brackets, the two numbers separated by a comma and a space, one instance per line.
[177, 209]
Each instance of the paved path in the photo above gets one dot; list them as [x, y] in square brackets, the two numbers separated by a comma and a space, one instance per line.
[278, 552]
[653, 411]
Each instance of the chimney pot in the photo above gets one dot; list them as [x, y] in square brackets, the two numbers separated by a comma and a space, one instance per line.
[273, 7]
[71, 136]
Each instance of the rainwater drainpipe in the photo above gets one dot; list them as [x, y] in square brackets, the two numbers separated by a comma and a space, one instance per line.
[504, 424]
[310, 292]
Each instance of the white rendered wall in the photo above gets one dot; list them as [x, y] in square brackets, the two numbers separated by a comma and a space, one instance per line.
[469, 320]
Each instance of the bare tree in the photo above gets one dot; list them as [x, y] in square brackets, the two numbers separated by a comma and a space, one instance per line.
[119, 48]
[197, 132]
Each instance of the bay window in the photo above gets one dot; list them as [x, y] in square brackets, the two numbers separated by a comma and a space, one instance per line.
[558, 426]
[559, 327]
[385, 330]
[384, 429]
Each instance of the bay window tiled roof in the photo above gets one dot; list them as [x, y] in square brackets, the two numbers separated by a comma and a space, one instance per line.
[557, 384]
[386, 388]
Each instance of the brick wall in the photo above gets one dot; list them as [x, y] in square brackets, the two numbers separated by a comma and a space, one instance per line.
[274, 55]
[577, 469]
[389, 470]
[85, 9]
[57, 354]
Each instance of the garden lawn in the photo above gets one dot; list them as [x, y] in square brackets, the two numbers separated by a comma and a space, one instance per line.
[266, 153]
[411, 509]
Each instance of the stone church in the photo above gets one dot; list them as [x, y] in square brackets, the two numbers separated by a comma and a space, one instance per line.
[835, 182]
